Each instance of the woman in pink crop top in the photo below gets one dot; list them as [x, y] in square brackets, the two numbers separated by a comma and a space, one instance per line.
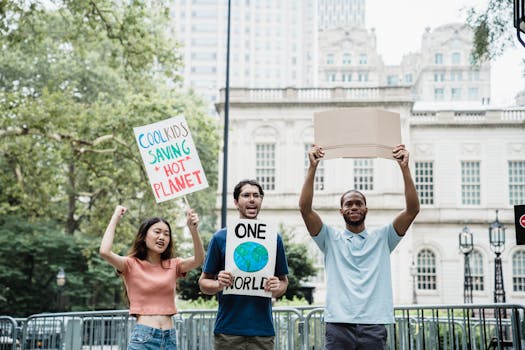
[150, 274]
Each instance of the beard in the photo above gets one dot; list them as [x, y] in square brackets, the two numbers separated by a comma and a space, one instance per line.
[354, 223]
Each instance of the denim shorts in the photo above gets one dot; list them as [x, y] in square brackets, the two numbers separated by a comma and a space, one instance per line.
[148, 338]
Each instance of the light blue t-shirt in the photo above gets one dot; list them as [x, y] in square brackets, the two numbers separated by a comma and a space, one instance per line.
[358, 277]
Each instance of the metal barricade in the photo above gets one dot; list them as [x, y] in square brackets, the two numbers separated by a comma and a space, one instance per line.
[78, 330]
[9, 334]
[314, 329]
[416, 327]
[454, 327]
[196, 331]
[289, 328]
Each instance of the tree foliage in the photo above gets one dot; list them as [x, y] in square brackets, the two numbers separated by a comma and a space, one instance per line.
[75, 77]
[300, 266]
[493, 29]
[31, 254]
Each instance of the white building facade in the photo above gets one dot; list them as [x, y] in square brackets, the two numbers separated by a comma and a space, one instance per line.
[466, 165]
[440, 74]
[341, 13]
[467, 157]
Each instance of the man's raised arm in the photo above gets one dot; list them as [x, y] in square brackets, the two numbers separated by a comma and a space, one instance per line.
[404, 219]
[310, 217]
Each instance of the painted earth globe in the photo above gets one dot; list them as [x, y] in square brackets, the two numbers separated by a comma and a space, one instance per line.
[250, 256]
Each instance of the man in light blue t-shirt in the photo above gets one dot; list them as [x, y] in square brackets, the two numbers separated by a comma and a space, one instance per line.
[357, 261]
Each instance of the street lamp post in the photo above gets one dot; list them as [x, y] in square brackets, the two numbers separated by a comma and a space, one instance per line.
[413, 273]
[61, 282]
[466, 244]
[497, 245]
[224, 195]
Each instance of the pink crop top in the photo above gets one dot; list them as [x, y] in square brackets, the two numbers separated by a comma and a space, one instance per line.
[151, 288]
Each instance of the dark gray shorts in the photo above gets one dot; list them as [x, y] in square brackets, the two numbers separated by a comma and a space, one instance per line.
[350, 336]
[239, 342]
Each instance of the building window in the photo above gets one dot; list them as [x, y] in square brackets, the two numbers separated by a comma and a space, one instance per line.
[476, 270]
[470, 183]
[516, 182]
[439, 94]
[473, 94]
[392, 80]
[426, 270]
[265, 165]
[347, 58]
[456, 58]
[408, 78]
[331, 76]
[439, 76]
[424, 177]
[330, 58]
[438, 58]
[363, 174]
[518, 271]
[319, 174]
[347, 77]
[363, 59]
[456, 75]
[474, 75]
[455, 94]
[362, 76]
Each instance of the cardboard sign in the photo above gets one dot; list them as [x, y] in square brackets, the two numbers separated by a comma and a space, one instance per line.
[251, 248]
[170, 157]
[519, 222]
[357, 132]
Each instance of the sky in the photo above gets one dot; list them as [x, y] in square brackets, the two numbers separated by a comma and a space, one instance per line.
[400, 24]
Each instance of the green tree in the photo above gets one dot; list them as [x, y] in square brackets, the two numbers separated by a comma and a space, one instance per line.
[31, 254]
[493, 29]
[300, 265]
[75, 78]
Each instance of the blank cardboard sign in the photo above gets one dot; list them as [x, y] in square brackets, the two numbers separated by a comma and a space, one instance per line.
[357, 132]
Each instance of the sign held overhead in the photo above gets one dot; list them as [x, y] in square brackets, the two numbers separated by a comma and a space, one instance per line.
[357, 132]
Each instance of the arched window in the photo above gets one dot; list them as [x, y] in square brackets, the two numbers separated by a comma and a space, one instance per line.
[426, 270]
[476, 270]
[518, 271]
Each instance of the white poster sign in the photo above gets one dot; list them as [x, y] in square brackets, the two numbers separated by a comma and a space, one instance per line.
[170, 157]
[251, 248]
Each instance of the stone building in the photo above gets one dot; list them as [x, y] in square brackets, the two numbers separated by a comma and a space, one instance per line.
[466, 164]
[467, 158]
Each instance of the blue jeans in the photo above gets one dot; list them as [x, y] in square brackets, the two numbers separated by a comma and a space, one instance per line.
[148, 338]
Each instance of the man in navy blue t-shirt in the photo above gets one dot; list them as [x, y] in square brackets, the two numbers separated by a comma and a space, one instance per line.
[243, 321]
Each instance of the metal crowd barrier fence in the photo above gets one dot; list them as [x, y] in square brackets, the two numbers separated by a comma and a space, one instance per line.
[469, 327]
[417, 327]
[9, 333]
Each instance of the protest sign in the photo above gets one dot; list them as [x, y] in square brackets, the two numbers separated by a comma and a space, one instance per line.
[251, 248]
[170, 157]
[357, 132]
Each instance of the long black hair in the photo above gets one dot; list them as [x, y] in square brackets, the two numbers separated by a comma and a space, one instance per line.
[138, 248]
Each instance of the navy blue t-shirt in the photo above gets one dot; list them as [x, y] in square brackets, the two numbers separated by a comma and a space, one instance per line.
[242, 314]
